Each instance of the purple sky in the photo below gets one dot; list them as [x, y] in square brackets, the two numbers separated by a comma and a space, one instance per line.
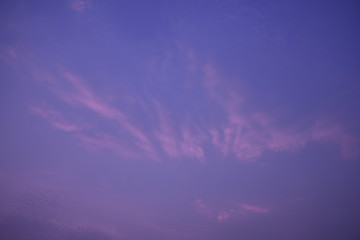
[179, 120]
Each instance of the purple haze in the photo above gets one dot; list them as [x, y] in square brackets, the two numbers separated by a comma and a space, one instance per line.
[181, 120]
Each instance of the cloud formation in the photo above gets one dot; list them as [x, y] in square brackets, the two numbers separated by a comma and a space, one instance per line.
[237, 131]
[56, 119]
[223, 214]
[247, 135]
[255, 209]
[80, 5]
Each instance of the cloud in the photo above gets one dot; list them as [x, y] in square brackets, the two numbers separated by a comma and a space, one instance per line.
[331, 132]
[224, 213]
[73, 90]
[57, 120]
[80, 5]
[246, 134]
[83, 95]
[92, 142]
[203, 208]
[165, 133]
[187, 143]
[191, 145]
[236, 130]
[255, 209]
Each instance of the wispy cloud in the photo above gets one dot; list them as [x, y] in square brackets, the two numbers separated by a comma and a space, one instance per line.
[80, 5]
[57, 120]
[84, 96]
[203, 208]
[332, 132]
[225, 213]
[165, 133]
[247, 134]
[238, 132]
[191, 144]
[92, 142]
[180, 142]
[255, 209]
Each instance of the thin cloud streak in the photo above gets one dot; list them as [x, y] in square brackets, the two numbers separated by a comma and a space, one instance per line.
[165, 133]
[255, 209]
[98, 141]
[57, 120]
[223, 214]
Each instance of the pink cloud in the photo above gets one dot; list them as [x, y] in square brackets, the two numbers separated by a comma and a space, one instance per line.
[75, 92]
[248, 139]
[240, 132]
[202, 208]
[57, 120]
[328, 131]
[246, 135]
[255, 209]
[224, 215]
[220, 144]
[80, 5]
[84, 96]
[190, 145]
[282, 140]
[100, 141]
[165, 133]
[187, 143]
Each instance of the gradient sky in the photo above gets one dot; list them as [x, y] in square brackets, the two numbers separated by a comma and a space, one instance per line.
[179, 120]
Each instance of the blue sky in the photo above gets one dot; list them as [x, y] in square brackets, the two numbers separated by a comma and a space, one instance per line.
[179, 120]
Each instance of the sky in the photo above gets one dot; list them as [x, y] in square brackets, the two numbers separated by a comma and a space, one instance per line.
[181, 120]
